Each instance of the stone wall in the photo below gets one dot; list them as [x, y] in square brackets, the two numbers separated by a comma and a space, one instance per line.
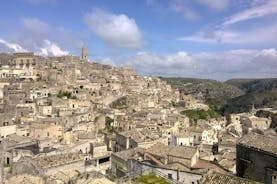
[7, 130]
[26, 165]
[119, 166]
[78, 165]
[255, 164]
[1, 164]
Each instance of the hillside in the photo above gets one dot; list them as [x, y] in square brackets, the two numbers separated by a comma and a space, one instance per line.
[232, 96]
[258, 92]
[254, 85]
[212, 92]
[208, 88]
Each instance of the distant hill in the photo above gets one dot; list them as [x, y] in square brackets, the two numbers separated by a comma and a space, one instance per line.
[212, 92]
[254, 85]
[208, 88]
[234, 95]
[258, 92]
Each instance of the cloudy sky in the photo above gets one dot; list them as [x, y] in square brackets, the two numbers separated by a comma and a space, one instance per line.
[216, 39]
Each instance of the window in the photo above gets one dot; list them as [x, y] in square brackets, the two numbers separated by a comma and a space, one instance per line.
[274, 178]
[169, 175]
[8, 161]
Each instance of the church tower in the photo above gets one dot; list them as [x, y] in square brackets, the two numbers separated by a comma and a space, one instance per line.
[84, 54]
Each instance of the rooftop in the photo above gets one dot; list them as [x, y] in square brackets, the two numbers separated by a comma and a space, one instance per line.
[163, 150]
[25, 179]
[128, 154]
[60, 159]
[183, 151]
[216, 178]
[258, 141]
[134, 134]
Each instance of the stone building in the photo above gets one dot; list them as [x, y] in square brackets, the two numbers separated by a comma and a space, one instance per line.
[7, 130]
[49, 165]
[128, 140]
[190, 136]
[258, 122]
[24, 60]
[210, 137]
[257, 158]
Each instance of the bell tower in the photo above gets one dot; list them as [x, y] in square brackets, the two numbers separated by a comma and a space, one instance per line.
[84, 54]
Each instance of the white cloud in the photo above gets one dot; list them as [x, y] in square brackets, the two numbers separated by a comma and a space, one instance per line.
[154, 64]
[40, 37]
[36, 35]
[215, 4]
[260, 35]
[228, 32]
[50, 48]
[106, 61]
[215, 65]
[218, 36]
[181, 7]
[187, 9]
[13, 46]
[271, 53]
[36, 26]
[38, 2]
[116, 29]
[268, 8]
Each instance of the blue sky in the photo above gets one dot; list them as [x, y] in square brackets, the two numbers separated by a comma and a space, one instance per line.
[216, 39]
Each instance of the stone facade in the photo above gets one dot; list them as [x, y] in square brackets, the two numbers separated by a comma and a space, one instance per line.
[257, 158]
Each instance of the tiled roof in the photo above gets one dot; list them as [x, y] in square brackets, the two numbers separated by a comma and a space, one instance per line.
[216, 178]
[260, 142]
[163, 150]
[183, 151]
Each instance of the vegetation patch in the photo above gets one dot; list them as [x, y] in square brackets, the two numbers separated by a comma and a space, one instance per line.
[150, 179]
[120, 103]
[195, 114]
[108, 120]
[67, 94]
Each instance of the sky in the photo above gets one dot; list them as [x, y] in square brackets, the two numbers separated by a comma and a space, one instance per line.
[215, 39]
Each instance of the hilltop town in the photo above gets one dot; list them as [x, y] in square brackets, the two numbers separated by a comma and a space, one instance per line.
[66, 119]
